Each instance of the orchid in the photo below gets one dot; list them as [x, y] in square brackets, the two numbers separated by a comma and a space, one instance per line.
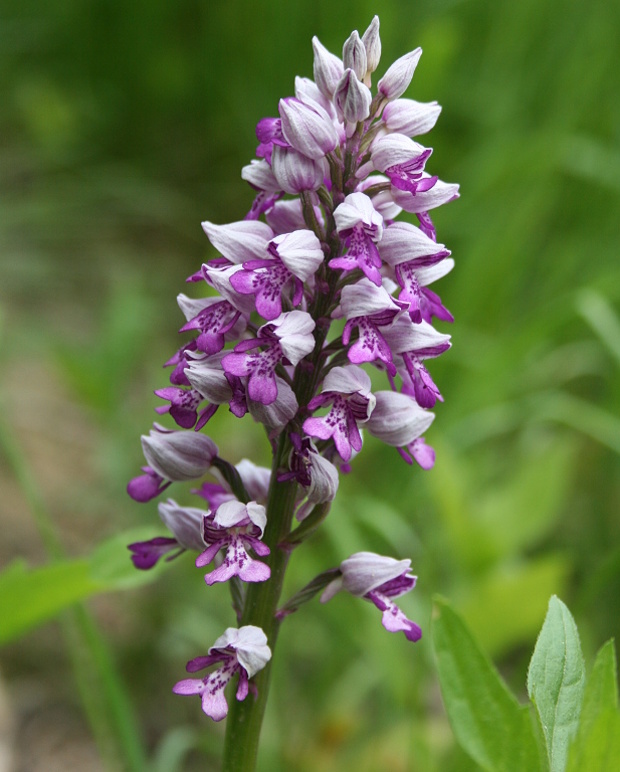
[315, 289]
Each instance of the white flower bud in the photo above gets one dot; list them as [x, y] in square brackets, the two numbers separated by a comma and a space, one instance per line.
[398, 77]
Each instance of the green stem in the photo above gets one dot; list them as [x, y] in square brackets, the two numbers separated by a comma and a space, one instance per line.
[245, 718]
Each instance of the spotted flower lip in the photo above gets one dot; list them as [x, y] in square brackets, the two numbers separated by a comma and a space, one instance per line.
[289, 337]
[237, 527]
[368, 308]
[347, 389]
[243, 651]
[361, 227]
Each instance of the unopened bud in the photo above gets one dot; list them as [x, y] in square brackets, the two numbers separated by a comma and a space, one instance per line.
[398, 77]
[372, 44]
[176, 455]
[327, 69]
[352, 98]
[354, 55]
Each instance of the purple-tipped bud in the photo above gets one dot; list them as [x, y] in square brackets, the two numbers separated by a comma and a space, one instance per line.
[296, 172]
[147, 486]
[308, 129]
[185, 523]
[323, 487]
[372, 44]
[176, 455]
[398, 77]
[352, 98]
[354, 55]
[411, 118]
[327, 68]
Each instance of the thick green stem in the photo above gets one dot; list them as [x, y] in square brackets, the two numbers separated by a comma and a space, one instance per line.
[245, 718]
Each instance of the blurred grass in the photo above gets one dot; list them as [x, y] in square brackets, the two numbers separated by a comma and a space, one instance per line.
[122, 126]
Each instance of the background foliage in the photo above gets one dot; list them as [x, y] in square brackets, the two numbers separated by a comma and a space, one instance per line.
[122, 126]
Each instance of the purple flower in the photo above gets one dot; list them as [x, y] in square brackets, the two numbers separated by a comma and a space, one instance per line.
[402, 160]
[415, 343]
[372, 45]
[378, 579]
[315, 283]
[239, 241]
[352, 99]
[289, 338]
[238, 527]
[368, 308]
[214, 318]
[328, 69]
[347, 389]
[429, 194]
[244, 651]
[293, 258]
[361, 226]
[296, 172]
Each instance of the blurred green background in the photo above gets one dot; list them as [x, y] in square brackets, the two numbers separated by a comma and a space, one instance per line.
[122, 126]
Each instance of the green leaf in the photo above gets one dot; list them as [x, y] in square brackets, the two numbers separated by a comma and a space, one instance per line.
[555, 681]
[597, 745]
[599, 750]
[489, 723]
[31, 596]
[602, 686]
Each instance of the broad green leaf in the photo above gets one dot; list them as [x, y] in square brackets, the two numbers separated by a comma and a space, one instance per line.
[597, 745]
[599, 750]
[29, 597]
[486, 718]
[555, 681]
[602, 686]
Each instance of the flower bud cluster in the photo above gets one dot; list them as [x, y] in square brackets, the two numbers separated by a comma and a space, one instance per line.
[319, 247]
